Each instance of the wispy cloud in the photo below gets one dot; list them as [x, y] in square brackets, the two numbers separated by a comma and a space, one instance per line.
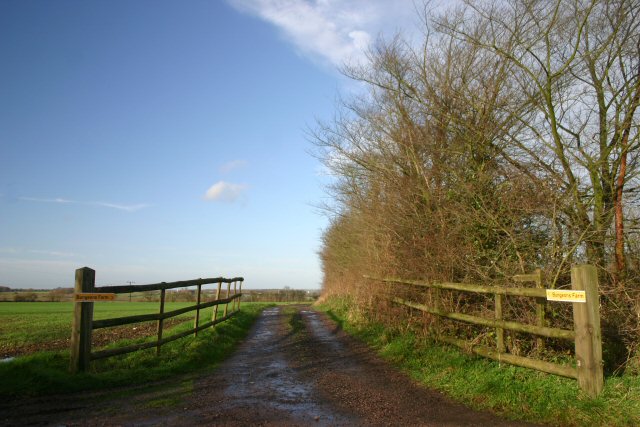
[43, 200]
[53, 253]
[337, 31]
[20, 251]
[128, 208]
[223, 191]
[232, 165]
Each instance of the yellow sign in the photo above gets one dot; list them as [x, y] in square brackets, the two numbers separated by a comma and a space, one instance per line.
[566, 295]
[86, 297]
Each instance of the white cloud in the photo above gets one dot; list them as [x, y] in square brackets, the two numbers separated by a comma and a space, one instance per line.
[232, 165]
[337, 31]
[128, 208]
[223, 191]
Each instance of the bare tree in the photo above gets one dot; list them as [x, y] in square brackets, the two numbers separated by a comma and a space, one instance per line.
[507, 141]
[576, 65]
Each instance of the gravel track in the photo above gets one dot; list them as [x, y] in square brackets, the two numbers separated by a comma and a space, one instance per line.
[300, 372]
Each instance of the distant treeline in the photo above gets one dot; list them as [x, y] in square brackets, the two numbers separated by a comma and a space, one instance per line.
[8, 289]
[184, 295]
[33, 295]
[250, 295]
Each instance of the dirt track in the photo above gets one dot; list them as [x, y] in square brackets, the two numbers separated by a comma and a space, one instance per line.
[294, 369]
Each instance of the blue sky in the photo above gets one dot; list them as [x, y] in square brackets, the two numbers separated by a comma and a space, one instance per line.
[166, 140]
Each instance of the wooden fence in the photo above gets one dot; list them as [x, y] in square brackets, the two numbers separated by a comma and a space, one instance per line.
[83, 324]
[586, 319]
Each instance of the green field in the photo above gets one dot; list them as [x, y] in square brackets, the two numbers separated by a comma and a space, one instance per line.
[37, 325]
[25, 326]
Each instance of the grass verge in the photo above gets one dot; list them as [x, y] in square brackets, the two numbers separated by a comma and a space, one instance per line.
[296, 324]
[47, 372]
[510, 391]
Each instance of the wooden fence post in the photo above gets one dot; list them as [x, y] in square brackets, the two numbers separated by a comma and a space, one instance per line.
[540, 309]
[240, 299]
[437, 304]
[235, 300]
[197, 319]
[82, 322]
[499, 331]
[215, 308]
[586, 320]
[226, 307]
[160, 321]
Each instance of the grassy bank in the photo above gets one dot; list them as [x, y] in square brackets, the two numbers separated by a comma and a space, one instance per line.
[47, 372]
[510, 391]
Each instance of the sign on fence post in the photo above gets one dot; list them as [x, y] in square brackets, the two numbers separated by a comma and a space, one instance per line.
[93, 297]
[586, 320]
[82, 319]
[564, 295]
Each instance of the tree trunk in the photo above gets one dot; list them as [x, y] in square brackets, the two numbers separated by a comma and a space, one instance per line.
[624, 146]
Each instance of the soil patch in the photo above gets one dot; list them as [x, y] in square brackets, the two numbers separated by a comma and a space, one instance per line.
[100, 338]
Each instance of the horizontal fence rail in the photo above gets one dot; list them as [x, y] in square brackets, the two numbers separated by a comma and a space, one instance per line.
[83, 324]
[502, 324]
[131, 348]
[586, 318]
[467, 287]
[125, 289]
[119, 321]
